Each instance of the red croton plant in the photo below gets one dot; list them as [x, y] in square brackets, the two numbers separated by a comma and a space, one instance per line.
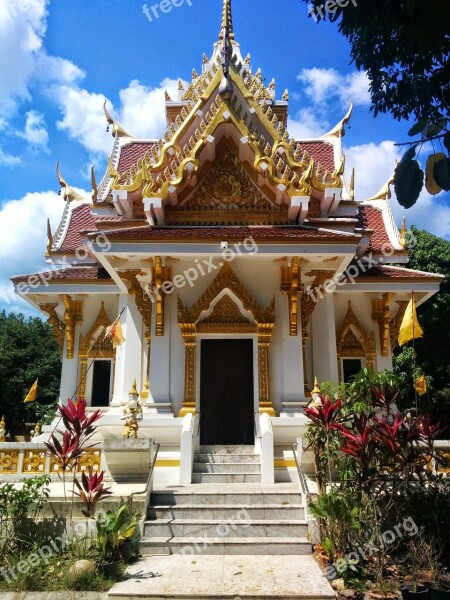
[79, 427]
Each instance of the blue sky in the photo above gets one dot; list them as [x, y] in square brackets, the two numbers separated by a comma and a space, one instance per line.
[60, 59]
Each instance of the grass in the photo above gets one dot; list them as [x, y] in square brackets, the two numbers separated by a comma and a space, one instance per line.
[51, 577]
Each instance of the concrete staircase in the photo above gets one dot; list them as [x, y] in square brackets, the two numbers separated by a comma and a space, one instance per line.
[229, 513]
[226, 464]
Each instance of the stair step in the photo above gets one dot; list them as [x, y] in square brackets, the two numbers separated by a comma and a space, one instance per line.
[226, 477]
[224, 511]
[227, 449]
[228, 545]
[203, 497]
[214, 528]
[200, 467]
[227, 458]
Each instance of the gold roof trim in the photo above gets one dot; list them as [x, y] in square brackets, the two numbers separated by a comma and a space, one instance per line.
[385, 192]
[69, 193]
[227, 20]
[339, 129]
[116, 128]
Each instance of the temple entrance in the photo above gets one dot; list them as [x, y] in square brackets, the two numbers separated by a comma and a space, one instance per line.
[226, 392]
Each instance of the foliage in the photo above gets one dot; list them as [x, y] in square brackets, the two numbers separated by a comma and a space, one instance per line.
[404, 46]
[51, 575]
[79, 428]
[15, 503]
[28, 350]
[113, 529]
[429, 253]
[91, 490]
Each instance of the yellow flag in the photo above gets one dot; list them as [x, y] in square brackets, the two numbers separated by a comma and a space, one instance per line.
[114, 332]
[421, 386]
[31, 396]
[410, 328]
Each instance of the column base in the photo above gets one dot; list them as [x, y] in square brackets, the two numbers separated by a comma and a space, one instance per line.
[188, 407]
[266, 408]
[158, 408]
[294, 408]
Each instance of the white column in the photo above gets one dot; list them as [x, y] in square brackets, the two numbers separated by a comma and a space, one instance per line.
[293, 377]
[160, 359]
[323, 333]
[129, 354]
[69, 372]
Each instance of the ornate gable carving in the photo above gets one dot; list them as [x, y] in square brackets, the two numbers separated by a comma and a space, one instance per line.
[354, 341]
[227, 195]
[226, 317]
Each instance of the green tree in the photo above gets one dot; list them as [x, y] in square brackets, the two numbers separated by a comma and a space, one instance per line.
[430, 253]
[404, 46]
[28, 351]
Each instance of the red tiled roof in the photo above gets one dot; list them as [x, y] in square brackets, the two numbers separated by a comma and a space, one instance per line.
[323, 152]
[390, 272]
[263, 233]
[71, 273]
[372, 218]
[131, 153]
[80, 219]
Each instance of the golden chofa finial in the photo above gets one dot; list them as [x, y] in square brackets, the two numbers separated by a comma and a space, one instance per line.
[247, 59]
[180, 85]
[69, 193]
[385, 192]
[339, 129]
[167, 97]
[272, 85]
[194, 74]
[116, 130]
[49, 237]
[227, 20]
[352, 185]
[285, 96]
[205, 59]
[403, 234]
[94, 186]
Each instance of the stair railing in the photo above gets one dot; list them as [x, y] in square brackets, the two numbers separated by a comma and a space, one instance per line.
[147, 489]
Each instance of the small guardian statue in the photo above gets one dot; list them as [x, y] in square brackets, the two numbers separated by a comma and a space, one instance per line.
[2, 430]
[132, 413]
[36, 432]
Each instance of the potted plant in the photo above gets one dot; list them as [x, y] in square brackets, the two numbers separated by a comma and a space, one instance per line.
[114, 528]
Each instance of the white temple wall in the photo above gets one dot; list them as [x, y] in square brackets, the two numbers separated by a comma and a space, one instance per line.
[323, 340]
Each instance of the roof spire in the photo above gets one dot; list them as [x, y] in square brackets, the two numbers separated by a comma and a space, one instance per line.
[227, 21]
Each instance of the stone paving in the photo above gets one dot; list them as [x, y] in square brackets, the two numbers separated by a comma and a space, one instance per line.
[246, 577]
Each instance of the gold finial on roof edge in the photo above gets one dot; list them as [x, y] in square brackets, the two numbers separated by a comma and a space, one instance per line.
[385, 192]
[339, 129]
[116, 128]
[227, 20]
[69, 193]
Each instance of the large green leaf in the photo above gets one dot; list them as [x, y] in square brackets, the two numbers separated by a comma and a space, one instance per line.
[441, 172]
[446, 140]
[437, 127]
[408, 181]
[418, 127]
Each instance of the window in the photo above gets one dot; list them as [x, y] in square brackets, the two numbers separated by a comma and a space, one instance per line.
[101, 383]
[351, 367]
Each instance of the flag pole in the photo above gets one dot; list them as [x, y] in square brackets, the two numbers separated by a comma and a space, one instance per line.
[414, 354]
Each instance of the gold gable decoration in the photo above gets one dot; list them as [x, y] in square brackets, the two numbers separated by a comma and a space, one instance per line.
[354, 341]
[226, 318]
[226, 196]
[93, 343]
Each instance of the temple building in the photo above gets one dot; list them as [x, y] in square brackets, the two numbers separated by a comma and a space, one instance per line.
[242, 264]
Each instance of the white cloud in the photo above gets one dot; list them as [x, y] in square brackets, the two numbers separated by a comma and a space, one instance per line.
[8, 160]
[23, 242]
[307, 124]
[35, 132]
[374, 164]
[142, 113]
[322, 85]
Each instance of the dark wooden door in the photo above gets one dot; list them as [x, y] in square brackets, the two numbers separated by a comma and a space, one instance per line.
[226, 392]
